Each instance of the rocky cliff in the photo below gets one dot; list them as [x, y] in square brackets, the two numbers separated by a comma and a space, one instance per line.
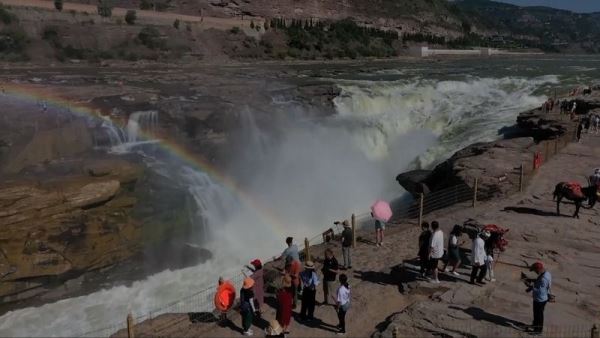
[65, 225]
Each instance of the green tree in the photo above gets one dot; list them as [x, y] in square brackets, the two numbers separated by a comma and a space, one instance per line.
[130, 17]
[58, 4]
[176, 24]
[105, 8]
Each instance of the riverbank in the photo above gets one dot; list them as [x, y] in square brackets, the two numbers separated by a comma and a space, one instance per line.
[387, 297]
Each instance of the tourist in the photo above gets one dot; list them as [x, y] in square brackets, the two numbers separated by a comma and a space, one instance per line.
[436, 250]
[247, 308]
[347, 240]
[224, 298]
[595, 178]
[290, 251]
[342, 303]
[453, 250]
[541, 295]
[258, 277]
[379, 229]
[489, 257]
[292, 268]
[478, 258]
[579, 130]
[309, 280]
[285, 299]
[330, 271]
[424, 240]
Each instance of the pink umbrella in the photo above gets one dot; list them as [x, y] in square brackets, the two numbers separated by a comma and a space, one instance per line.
[381, 210]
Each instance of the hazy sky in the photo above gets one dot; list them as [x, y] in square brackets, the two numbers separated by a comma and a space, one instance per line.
[573, 5]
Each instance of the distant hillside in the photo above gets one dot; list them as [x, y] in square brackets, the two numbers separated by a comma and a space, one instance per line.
[490, 23]
[554, 28]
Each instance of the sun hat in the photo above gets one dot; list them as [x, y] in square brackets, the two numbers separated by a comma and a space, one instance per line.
[274, 328]
[309, 265]
[248, 283]
[346, 223]
[485, 234]
[537, 266]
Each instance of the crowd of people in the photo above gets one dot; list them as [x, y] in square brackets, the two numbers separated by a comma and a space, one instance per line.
[298, 283]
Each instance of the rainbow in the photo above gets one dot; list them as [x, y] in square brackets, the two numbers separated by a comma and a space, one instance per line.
[37, 94]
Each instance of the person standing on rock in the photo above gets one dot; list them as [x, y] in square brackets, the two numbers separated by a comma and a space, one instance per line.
[379, 230]
[258, 277]
[247, 308]
[290, 251]
[310, 281]
[330, 271]
[540, 289]
[342, 303]
[453, 250]
[436, 250]
[285, 300]
[478, 258]
[424, 240]
[347, 245]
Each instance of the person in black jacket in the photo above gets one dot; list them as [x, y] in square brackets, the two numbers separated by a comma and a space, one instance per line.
[330, 271]
[424, 241]
[347, 245]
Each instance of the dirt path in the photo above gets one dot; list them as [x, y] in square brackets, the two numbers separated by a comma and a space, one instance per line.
[144, 16]
[568, 246]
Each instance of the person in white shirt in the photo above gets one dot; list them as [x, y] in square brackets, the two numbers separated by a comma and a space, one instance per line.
[436, 250]
[342, 302]
[478, 258]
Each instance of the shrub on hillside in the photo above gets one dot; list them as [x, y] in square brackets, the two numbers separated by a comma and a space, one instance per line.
[176, 24]
[130, 17]
[150, 37]
[58, 4]
[6, 17]
[50, 34]
[13, 43]
[235, 30]
[105, 8]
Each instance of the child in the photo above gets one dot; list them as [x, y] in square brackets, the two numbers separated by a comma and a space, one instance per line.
[343, 303]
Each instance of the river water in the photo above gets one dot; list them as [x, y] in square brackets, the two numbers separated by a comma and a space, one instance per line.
[391, 117]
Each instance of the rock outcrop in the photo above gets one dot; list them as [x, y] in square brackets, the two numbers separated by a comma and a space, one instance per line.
[65, 226]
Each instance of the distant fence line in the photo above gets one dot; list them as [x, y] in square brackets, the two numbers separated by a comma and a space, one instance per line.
[463, 195]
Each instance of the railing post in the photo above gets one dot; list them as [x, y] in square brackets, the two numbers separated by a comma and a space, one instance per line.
[421, 198]
[595, 332]
[353, 223]
[395, 332]
[306, 249]
[475, 187]
[130, 325]
[521, 178]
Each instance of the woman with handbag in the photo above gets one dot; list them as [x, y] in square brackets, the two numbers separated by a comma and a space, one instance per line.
[342, 303]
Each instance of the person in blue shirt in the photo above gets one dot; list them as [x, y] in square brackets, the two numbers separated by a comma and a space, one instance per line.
[290, 251]
[309, 280]
[540, 289]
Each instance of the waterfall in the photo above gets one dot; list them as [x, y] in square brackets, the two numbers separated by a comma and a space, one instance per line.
[141, 121]
[140, 129]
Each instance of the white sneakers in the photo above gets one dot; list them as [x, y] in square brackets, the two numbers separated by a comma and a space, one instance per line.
[455, 273]
[249, 333]
[435, 281]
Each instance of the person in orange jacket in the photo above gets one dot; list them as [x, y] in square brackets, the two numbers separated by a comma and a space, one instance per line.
[224, 298]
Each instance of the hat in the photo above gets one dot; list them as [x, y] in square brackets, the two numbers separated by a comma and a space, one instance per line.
[485, 234]
[256, 263]
[537, 266]
[274, 328]
[309, 265]
[286, 281]
[346, 223]
[248, 283]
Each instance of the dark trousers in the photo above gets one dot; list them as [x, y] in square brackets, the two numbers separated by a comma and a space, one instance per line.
[308, 303]
[247, 318]
[424, 260]
[478, 273]
[538, 316]
[342, 319]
